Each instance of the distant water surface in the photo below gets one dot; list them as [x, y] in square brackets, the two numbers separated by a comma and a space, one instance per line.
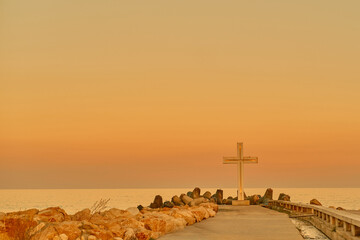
[73, 200]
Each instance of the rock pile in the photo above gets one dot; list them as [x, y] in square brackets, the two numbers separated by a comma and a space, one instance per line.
[115, 224]
[195, 198]
[191, 199]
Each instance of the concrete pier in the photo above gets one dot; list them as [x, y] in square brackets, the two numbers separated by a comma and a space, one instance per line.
[240, 222]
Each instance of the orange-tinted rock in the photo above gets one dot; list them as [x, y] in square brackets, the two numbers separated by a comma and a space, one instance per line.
[163, 223]
[52, 214]
[185, 214]
[101, 233]
[16, 225]
[55, 224]
[81, 215]
[200, 213]
[116, 213]
[213, 206]
[71, 229]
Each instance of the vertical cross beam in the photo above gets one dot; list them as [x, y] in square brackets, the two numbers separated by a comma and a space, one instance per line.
[240, 172]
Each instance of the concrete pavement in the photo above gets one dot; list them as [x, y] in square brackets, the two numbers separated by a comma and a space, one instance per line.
[240, 222]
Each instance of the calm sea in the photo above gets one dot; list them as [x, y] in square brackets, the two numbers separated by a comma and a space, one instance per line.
[73, 200]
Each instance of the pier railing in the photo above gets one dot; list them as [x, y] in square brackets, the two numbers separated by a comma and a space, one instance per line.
[336, 219]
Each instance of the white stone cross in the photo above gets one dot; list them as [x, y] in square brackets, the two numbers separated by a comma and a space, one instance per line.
[240, 160]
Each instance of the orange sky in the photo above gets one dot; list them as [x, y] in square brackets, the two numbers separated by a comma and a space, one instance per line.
[112, 94]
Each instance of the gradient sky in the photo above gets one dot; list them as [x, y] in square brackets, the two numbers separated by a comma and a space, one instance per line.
[113, 94]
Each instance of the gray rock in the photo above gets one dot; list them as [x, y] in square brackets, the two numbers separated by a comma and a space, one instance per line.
[196, 193]
[207, 195]
[177, 201]
[254, 199]
[284, 197]
[189, 194]
[158, 202]
[219, 195]
[268, 194]
[197, 201]
[168, 204]
[185, 199]
[267, 197]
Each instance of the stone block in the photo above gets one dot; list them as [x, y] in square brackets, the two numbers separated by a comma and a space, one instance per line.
[241, 203]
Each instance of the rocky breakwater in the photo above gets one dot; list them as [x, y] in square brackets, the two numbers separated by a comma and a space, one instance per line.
[141, 223]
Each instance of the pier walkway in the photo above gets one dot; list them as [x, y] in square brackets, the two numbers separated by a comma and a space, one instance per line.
[240, 223]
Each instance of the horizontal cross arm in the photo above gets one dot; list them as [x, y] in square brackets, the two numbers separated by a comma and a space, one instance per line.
[231, 160]
[250, 160]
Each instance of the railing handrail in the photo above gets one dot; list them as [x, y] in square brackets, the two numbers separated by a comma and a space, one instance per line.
[339, 214]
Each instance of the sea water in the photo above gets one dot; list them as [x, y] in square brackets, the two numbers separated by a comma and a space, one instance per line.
[73, 200]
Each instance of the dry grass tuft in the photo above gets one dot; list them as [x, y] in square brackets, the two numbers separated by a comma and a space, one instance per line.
[99, 206]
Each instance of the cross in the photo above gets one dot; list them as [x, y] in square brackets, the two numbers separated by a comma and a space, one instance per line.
[240, 160]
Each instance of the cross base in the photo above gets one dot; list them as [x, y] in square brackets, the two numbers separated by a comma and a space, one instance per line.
[241, 202]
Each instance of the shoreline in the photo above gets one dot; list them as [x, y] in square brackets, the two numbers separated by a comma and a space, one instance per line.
[16, 200]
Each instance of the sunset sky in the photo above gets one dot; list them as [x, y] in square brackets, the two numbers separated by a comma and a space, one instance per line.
[114, 94]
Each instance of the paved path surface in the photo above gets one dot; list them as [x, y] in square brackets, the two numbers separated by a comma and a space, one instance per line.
[236, 222]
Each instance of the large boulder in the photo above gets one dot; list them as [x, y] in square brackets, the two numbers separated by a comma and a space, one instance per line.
[200, 213]
[81, 215]
[158, 202]
[189, 194]
[219, 195]
[52, 214]
[185, 199]
[184, 214]
[177, 201]
[15, 225]
[65, 230]
[133, 210]
[254, 200]
[197, 201]
[268, 194]
[284, 197]
[315, 202]
[161, 222]
[196, 193]
[213, 206]
[207, 195]
[168, 204]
